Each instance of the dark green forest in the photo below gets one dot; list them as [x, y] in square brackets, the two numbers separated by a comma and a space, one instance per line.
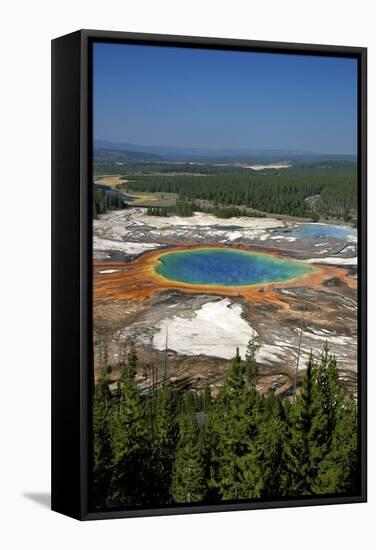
[307, 193]
[187, 208]
[158, 446]
[104, 199]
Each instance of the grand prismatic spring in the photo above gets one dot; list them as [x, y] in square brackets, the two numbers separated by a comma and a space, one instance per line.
[227, 267]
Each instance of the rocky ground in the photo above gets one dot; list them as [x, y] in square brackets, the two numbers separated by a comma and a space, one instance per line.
[191, 338]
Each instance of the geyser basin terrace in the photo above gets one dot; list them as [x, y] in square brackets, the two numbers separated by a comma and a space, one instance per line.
[227, 267]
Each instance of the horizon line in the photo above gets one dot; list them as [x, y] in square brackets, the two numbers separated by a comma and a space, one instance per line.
[223, 148]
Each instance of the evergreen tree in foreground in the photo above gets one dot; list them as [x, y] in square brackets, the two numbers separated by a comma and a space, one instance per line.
[235, 471]
[170, 446]
[188, 479]
[132, 358]
[164, 444]
[308, 428]
[130, 446]
[250, 361]
[102, 449]
[272, 448]
[323, 433]
[339, 473]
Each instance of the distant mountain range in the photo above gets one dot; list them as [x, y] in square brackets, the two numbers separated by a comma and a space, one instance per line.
[123, 155]
[164, 153]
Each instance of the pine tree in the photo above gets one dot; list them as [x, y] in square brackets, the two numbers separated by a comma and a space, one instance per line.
[331, 393]
[306, 452]
[209, 441]
[132, 358]
[130, 446]
[292, 456]
[188, 403]
[339, 471]
[102, 450]
[312, 419]
[272, 448]
[188, 479]
[234, 384]
[335, 468]
[250, 362]
[164, 444]
[235, 473]
[206, 399]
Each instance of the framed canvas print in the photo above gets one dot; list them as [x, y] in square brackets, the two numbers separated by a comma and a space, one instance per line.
[209, 274]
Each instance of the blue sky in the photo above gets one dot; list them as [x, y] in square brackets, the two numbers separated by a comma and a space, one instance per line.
[153, 95]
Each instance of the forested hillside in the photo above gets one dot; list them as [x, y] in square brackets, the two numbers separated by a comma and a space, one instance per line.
[161, 446]
[276, 192]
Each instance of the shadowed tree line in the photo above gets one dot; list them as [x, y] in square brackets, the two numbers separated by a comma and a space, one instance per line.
[105, 199]
[154, 445]
[187, 208]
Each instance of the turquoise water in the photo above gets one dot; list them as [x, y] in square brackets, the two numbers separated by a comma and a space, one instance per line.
[322, 230]
[227, 267]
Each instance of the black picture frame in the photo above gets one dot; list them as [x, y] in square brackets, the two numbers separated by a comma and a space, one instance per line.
[72, 267]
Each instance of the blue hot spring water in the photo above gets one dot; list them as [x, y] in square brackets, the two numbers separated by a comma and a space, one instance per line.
[324, 231]
[228, 267]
